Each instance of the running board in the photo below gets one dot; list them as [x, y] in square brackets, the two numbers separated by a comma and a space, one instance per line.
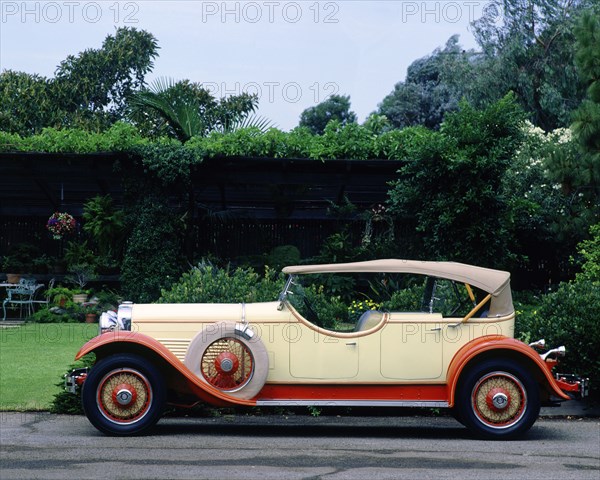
[349, 403]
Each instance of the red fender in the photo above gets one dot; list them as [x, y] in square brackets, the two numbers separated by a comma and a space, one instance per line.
[205, 392]
[496, 342]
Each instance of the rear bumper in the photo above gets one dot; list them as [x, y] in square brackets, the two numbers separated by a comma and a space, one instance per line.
[574, 386]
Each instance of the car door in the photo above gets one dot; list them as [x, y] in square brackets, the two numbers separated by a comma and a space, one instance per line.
[317, 354]
[412, 347]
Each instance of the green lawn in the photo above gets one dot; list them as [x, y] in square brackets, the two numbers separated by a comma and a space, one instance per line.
[33, 359]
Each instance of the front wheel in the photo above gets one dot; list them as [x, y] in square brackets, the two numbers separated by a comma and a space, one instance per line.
[123, 395]
[498, 399]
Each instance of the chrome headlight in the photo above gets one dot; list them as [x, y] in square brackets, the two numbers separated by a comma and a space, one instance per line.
[124, 315]
[120, 320]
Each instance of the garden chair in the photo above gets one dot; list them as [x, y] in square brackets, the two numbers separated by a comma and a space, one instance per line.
[21, 295]
[38, 298]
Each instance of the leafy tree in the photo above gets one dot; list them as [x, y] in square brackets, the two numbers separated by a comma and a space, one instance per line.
[185, 109]
[336, 107]
[449, 191]
[27, 103]
[530, 51]
[587, 116]
[89, 90]
[433, 86]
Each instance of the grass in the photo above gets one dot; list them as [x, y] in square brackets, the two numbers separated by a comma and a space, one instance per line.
[33, 359]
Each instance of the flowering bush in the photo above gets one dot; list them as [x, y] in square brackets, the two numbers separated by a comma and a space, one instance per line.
[61, 224]
[358, 307]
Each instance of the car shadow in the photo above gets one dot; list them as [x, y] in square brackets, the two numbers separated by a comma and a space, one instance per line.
[443, 428]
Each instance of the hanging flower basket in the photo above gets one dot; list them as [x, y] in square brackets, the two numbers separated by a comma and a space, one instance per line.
[61, 224]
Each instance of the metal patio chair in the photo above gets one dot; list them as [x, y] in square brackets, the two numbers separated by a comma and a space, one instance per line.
[21, 295]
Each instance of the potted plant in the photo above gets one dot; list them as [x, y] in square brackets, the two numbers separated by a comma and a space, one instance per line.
[80, 275]
[91, 313]
[60, 296]
[12, 266]
[61, 224]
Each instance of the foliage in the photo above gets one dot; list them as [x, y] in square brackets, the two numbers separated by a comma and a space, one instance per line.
[89, 90]
[105, 224]
[65, 403]
[153, 254]
[119, 137]
[405, 299]
[20, 258]
[358, 307]
[450, 189]
[206, 283]
[336, 107]
[27, 103]
[78, 253]
[522, 42]
[589, 250]
[587, 117]
[283, 256]
[433, 86]
[80, 274]
[183, 109]
[569, 317]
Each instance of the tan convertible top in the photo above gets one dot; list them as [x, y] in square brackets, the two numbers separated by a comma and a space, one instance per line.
[488, 280]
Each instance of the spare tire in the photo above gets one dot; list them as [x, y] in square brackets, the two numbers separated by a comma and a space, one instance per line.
[231, 359]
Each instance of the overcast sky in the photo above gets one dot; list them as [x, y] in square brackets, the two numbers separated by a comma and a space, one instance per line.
[293, 54]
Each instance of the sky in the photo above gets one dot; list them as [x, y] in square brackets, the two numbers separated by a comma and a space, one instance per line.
[293, 54]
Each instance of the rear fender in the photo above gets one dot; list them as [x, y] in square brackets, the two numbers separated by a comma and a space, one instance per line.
[177, 373]
[500, 347]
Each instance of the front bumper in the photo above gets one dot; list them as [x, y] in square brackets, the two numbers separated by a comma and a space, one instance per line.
[75, 379]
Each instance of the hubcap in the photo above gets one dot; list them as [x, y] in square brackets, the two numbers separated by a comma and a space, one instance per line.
[124, 397]
[227, 364]
[500, 401]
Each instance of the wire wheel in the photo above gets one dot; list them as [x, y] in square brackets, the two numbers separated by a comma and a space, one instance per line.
[227, 364]
[499, 400]
[124, 396]
[233, 361]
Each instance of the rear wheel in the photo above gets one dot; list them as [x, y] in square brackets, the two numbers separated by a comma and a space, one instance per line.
[498, 399]
[123, 395]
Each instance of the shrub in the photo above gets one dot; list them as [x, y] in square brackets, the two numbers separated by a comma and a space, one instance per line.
[207, 283]
[64, 402]
[405, 300]
[153, 253]
[569, 317]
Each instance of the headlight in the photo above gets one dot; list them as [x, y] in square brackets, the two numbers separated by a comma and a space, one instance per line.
[124, 315]
[120, 320]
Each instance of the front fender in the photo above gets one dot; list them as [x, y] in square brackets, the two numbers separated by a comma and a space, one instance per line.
[122, 341]
[496, 344]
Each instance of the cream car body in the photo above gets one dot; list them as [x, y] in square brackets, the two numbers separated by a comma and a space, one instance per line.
[269, 354]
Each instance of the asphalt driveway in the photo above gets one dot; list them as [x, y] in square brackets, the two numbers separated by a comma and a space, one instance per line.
[294, 447]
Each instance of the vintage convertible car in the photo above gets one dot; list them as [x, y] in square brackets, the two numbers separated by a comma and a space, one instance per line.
[456, 351]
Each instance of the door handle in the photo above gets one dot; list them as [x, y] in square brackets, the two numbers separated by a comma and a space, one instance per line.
[351, 344]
